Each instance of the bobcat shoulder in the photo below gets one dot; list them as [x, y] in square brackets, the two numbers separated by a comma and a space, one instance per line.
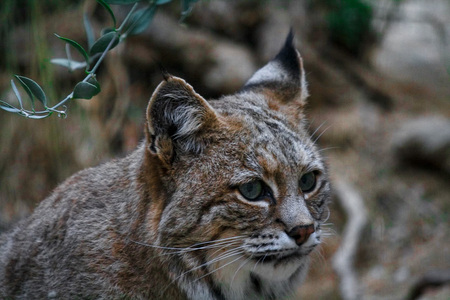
[224, 199]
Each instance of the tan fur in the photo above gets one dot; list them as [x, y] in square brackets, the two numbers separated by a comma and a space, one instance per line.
[171, 220]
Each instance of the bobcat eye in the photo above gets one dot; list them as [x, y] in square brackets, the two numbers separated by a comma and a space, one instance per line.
[308, 182]
[251, 190]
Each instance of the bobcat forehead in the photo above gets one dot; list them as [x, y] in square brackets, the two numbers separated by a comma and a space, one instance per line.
[270, 141]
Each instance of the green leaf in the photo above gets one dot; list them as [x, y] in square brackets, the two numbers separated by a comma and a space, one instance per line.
[186, 8]
[19, 98]
[89, 31]
[38, 116]
[8, 107]
[102, 43]
[70, 64]
[141, 19]
[85, 90]
[122, 1]
[161, 2]
[107, 30]
[76, 46]
[108, 8]
[31, 87]
[94, 81]
[187, 5]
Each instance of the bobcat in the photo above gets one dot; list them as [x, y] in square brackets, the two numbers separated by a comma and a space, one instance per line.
[224, 199]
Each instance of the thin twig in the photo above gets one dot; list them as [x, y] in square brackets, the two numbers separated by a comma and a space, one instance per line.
[343, 259]
[49, 110]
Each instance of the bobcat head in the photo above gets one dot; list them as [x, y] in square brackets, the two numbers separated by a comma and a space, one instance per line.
[238, 189]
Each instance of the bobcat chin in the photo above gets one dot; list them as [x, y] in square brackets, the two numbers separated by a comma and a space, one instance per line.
[224, 199]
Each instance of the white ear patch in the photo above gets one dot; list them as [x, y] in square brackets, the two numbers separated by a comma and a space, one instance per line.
[273, 71]
[303, 83]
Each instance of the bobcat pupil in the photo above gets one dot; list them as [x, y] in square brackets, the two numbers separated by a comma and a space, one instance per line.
[251, 190]
[308, 182]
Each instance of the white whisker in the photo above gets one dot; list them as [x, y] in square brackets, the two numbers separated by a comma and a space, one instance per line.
[328, 216]
[318, 137]
[219, 240]
[218, 245]
[180, 250]
[225, 255]
[215, 270]
[259, 260]
[318, 128]
[243, 264]
[310, 123]
[326, 149]
[318, 253]
[329, 232]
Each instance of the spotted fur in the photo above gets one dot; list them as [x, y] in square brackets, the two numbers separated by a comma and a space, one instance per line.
[168, 221]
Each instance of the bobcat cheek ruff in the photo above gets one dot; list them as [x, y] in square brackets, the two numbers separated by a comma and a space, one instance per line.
[223, 200]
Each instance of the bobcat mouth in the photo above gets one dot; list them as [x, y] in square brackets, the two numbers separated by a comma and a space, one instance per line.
[277, 256]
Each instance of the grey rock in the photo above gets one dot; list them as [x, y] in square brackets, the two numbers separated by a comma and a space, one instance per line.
[424, 141]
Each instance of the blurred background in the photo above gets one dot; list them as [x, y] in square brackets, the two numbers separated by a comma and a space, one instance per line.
[378, 73]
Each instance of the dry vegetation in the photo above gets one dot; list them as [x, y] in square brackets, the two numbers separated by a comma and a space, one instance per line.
[362, 116]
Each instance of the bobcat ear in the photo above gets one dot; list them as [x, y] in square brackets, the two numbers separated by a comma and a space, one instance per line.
[176, 116]
[283, 76]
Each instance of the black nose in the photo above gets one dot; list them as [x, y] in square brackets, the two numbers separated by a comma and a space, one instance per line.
[301, 233]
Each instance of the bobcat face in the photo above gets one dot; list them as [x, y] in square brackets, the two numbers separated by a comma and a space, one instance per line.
[246, 189]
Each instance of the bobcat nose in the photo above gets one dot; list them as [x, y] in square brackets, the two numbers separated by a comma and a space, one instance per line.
[301, 233]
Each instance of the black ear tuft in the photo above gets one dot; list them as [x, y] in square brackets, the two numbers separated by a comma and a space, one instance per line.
[288, 58]
[283, 76]
[166, 75]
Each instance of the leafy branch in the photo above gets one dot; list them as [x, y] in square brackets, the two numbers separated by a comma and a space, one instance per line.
[137, 20]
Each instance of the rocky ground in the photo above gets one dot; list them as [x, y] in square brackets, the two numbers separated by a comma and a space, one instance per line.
[383, 120]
